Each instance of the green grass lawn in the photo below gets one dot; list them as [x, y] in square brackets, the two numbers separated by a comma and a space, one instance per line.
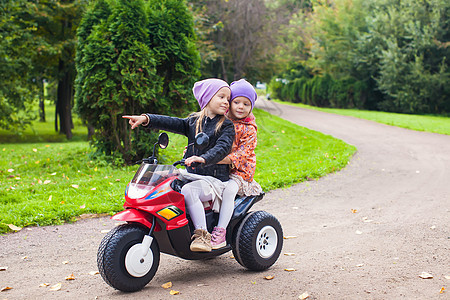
[41, 132]
[436, 124]
[45, 179]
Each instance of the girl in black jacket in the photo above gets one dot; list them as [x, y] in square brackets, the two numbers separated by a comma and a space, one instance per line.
[213, 96]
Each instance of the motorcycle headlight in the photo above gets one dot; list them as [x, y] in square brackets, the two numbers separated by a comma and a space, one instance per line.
[170, 212]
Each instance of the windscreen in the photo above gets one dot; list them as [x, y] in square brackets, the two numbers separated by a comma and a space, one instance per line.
[148, 177]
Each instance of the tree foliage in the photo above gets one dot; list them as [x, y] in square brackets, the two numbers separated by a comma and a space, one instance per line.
[242, 38]
[384, 54]
[133, 57]
[37, 43]
[17, 44]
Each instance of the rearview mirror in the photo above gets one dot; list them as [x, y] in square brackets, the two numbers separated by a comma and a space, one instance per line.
[201, 140]
[163, 140]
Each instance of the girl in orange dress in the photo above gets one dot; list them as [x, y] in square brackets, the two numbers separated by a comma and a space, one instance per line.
[242, 157]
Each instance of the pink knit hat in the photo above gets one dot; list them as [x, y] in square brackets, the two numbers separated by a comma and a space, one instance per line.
[206, 89]
[243, 88]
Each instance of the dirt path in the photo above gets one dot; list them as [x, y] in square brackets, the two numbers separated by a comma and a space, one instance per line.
[398, 183]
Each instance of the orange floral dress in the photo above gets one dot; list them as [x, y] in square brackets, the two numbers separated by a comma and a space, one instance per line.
[243, 156]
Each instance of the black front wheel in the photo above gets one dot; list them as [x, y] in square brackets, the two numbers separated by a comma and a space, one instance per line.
[257, 241]
[124, 261]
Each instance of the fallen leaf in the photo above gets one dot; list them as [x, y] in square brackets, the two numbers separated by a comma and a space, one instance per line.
[172, 292]
[118, 180]
[231, 256]
[290, 269]
[6, 288]
[14, 227]
[167, 285]
[56, 287]
[442, 290]
[425, 275]
[24, 257]
[75, 186]
[3, 268]
[270, 277]
[65, 262]
[360, 265]
[304, 296]
[354, 211]
[83, 206]
[93, 273]
[70, 277]
[289, 237]
[289, 254]
[44, 284]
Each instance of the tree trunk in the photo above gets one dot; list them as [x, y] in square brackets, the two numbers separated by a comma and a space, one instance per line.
[64, 102]
[41, 101]
[224, 70]
[91, 131]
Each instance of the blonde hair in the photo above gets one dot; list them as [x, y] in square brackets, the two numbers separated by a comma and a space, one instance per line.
[201, 115]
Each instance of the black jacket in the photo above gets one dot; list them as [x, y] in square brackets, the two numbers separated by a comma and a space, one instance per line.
[219, 144]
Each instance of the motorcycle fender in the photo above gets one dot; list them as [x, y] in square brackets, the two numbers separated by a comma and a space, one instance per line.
[136, 216]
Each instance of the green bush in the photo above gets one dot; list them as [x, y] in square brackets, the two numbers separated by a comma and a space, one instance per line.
[133, 57]
[322, 91]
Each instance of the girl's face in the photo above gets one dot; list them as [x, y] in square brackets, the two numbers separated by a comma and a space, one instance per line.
[240, 107]
[219, 103]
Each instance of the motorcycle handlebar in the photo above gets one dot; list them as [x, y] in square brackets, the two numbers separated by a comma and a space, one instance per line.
[181, 162]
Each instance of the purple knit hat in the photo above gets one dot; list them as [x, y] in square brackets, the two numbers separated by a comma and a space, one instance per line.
[204, 90]
[243, 88]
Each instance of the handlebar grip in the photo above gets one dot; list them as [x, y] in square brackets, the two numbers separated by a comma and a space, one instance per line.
[193, 164]
[180, 162]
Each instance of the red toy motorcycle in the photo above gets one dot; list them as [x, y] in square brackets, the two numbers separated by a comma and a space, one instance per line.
[155, 212]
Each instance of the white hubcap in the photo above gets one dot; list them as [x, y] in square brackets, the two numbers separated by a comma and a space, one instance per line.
[266, 241]
[136, 263]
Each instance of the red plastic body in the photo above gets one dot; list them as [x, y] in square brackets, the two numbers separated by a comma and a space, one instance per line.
[142, 210]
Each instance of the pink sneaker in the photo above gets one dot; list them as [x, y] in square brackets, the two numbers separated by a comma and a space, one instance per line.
[218, 238]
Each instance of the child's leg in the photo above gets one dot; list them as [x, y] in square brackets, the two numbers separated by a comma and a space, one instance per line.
[219, 234]
[194, 195]
[227, 206]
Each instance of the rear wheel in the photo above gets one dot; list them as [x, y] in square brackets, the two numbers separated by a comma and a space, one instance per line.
[124, 262]
[257, 241]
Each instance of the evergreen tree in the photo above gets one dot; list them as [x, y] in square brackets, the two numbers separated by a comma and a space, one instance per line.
[133, 58]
